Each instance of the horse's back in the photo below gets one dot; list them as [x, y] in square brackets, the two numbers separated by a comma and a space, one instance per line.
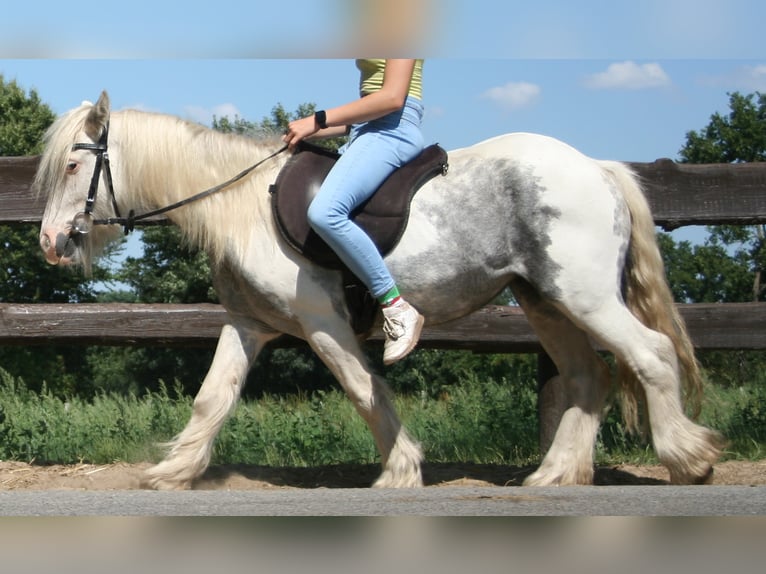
[524, 146]
[518, 171]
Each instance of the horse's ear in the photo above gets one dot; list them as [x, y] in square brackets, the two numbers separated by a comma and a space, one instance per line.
[98, 117]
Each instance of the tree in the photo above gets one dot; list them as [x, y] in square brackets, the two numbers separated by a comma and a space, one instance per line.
[705, 273]
[24, 275]
[276, 123]
[729, 266]
[23, 120]
[737, 137]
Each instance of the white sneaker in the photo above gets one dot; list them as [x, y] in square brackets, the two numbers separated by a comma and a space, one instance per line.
[402, 325]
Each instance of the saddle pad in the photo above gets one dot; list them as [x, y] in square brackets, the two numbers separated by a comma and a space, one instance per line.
[383, 217]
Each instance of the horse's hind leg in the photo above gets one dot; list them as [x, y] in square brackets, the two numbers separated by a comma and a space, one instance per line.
[583, 383]
[339, 349]
[688, 450]
[189, 452]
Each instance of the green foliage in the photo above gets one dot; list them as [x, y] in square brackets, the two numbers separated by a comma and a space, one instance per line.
[42, 427]
[478, 420]
[706, 273]
[288, 371]
[25, 277]
[739, 413]
[482, 421]
[274, 124]
[168, 271]
[432, 372]
[297, 430]
[735, 368]
[737, 137]
[23, 120]
[486, 422]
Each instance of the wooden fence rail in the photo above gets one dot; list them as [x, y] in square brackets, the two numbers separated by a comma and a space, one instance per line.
[493, 329]
[679, 194]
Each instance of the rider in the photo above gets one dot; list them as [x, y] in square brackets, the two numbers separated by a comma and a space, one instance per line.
[384, 134]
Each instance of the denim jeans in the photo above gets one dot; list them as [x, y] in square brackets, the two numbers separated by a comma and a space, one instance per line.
[375, 149]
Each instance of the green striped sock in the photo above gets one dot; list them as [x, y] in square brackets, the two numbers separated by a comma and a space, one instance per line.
[390, 296]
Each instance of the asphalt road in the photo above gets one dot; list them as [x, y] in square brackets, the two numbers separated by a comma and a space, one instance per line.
[448, 501]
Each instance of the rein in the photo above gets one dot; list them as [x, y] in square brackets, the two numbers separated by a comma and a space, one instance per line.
[83, 222]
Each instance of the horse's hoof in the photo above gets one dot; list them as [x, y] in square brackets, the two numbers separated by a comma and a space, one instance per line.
[149, 482]
[706, 478]
[563, 478]
[388, 480]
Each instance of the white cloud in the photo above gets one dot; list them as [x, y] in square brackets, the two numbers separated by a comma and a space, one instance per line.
[752, 77]
[204, 115]
[513, 95]
[629, 76]
[749, 78]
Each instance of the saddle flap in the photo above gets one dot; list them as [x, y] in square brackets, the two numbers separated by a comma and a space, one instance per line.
[294, 189]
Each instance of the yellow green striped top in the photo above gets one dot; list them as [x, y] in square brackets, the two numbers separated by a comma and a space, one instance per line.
[373, 71]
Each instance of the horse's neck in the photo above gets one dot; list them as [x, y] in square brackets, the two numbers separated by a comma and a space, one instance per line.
[176, 161]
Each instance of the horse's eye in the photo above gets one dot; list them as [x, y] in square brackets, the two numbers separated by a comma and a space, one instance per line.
[72, 166]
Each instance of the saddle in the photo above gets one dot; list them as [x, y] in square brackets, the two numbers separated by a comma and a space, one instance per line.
[383, 217]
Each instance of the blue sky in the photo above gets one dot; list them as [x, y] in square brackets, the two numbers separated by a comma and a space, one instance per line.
[617, 80]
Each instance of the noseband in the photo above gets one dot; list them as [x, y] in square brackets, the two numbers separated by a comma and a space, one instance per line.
[83, 222]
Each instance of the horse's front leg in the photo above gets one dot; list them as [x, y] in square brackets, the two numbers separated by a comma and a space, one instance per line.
[189, 452]
[335, 343]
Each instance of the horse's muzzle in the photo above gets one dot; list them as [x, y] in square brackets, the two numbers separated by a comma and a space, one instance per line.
[58, 249]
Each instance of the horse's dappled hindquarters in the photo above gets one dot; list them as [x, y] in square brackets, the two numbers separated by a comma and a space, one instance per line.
[521, 210]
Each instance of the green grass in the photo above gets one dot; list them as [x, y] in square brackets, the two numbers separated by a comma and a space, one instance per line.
[474, 421]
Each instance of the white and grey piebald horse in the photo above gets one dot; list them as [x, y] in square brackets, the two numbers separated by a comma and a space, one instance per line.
[572, 236]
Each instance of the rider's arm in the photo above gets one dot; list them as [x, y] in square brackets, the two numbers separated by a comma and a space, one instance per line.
[389, 98]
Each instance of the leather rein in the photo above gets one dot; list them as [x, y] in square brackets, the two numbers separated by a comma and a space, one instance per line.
[83, 222]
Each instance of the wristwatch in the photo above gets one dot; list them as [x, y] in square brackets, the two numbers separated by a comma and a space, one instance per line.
[320, 118]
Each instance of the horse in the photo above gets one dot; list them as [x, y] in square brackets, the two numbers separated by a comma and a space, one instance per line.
[572, 236]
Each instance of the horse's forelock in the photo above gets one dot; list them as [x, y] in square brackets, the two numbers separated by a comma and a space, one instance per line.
[58, 142]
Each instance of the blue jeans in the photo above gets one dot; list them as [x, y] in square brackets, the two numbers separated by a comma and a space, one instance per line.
[375, 149]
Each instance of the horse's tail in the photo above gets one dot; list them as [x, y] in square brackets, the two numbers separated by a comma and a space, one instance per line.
[648, 296]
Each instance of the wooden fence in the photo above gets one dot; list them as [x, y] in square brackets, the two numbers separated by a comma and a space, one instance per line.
[679, 194]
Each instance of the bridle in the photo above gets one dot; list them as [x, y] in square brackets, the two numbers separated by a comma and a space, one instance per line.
[83, 222]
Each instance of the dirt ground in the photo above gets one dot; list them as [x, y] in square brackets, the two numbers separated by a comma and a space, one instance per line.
[121, 476]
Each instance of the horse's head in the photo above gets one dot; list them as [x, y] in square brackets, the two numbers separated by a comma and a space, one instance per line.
[75, 177]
